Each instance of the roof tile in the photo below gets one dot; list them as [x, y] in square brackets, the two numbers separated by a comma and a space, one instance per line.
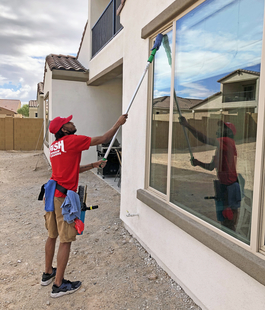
[40, 88]
[33, 104]
[10, 104]
[62, 62]
[239, 71]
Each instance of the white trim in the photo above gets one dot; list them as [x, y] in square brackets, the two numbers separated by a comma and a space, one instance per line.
[258, 200]
[171, 112]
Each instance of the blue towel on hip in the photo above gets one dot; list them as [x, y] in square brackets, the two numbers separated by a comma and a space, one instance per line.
[49, 195]
[71, 207]
[234, 195]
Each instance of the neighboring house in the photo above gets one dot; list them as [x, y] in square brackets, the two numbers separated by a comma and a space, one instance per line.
[219, 267]
[9, 107]
[161, 105]
[33, 109]
[36, 109]
[239, 89]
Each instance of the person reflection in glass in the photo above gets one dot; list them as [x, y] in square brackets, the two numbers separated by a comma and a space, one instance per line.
[224, 160]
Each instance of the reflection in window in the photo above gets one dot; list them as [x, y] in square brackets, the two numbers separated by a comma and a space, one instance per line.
[160, 120]
[217, 72]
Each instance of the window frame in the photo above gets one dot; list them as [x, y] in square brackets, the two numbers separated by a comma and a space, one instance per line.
[257, 238]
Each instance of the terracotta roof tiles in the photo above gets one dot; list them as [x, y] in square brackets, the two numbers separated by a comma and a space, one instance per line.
[40, 88]
[184, 103]
[62, 62]
[33, 104]
[10, 104]
[239, 71]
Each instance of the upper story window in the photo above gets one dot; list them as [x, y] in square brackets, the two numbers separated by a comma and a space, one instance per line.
[205, 163]
[106, 26]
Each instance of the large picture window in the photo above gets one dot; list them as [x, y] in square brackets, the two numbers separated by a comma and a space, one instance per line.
[215, 103]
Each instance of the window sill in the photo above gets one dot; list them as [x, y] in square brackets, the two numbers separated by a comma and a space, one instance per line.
[241, 258]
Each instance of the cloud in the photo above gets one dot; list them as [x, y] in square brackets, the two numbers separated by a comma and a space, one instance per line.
[195, 91]
[29, 31]
[158, 93]
[212, 42]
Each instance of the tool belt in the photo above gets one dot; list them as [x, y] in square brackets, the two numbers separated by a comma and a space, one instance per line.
[58, 186]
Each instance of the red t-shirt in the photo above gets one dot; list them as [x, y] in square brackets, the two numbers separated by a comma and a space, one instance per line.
[225, 161]
[65, 156]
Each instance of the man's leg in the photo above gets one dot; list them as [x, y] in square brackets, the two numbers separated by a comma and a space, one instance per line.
[67, 233]
[61, 286]
[49, 254]
[50, 224]
[62, 259]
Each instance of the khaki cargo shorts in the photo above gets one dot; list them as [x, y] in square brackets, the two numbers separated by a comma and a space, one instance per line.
[55, 224]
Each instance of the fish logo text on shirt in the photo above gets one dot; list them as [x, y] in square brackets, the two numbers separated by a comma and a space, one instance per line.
[57, 148]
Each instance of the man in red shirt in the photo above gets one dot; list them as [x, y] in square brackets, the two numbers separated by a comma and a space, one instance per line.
[225, 163]
[65, 156]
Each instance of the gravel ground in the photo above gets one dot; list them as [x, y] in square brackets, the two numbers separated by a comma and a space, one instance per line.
[115, 270]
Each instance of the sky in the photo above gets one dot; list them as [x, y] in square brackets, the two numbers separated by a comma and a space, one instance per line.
[213, 40]
[29, 31]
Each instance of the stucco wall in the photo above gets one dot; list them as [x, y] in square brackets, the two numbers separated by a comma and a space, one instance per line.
[107, 56]
[94, 108]
[32, 112]
[40, 99]
[209, 279]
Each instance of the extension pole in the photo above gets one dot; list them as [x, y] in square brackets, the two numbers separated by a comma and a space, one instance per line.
[168, 52]
[184, 128]
[155, 48]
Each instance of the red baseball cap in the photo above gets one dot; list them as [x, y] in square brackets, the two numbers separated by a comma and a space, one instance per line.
[57, 123]
[229, 125]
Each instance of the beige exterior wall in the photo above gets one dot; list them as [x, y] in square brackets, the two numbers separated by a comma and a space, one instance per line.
[107, 56]
[40, 99]
[32, 112]
[21, 134]
[94, 108]
[96, 7]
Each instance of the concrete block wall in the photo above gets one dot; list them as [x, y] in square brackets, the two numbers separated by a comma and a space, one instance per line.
[22, 134]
